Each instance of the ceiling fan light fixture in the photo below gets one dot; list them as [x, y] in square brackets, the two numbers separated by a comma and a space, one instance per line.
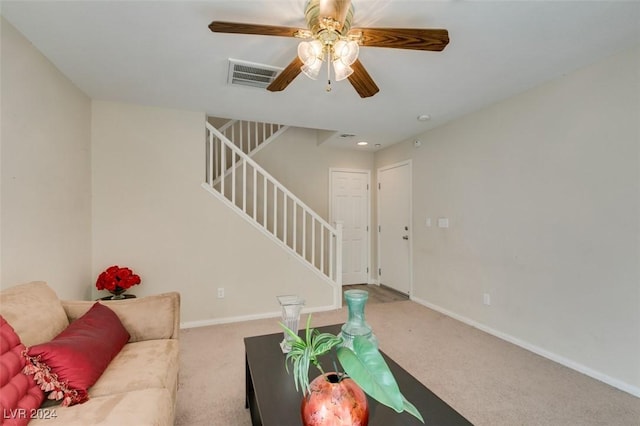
[329, 34]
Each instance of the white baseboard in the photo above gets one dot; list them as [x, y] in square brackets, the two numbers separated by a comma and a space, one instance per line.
[241, 318]
[616, 383]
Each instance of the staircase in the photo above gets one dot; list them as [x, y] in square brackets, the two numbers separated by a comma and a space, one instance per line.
[238, 181]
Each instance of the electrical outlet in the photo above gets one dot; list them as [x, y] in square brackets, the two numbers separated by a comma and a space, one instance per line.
[220, 292]
[443, 222]
[486, 299]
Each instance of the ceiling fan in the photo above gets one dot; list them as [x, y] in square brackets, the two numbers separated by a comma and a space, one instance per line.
[329, 37]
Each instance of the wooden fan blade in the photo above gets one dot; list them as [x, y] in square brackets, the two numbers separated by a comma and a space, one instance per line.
[362, 81]
[335, 9]
[403, 38]
[286, 76]
[240, 28]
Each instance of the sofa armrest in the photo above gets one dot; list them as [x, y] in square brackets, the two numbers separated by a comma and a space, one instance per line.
[145, 318]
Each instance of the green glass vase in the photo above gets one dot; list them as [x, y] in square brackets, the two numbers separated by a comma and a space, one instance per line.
[356, 324]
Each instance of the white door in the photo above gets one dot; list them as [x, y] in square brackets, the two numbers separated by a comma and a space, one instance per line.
[394, 220]
[350, 205]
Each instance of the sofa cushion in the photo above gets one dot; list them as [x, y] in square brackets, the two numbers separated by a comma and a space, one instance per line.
[145, 318]
[151, 407]
[34, 311]
[19, 393]
[73, 361]
[141, 365]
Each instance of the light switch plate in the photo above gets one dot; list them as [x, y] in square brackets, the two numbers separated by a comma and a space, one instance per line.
[443, 222]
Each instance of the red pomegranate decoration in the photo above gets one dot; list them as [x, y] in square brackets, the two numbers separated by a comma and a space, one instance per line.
[334, 400]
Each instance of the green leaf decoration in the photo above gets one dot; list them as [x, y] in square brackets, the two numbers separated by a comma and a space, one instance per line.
[365, 365]
[411, 409]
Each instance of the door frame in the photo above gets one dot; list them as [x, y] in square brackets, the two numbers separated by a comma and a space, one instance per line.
[410, 232]
[331, 218]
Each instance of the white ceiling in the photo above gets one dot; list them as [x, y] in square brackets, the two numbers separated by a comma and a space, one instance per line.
[162, 53]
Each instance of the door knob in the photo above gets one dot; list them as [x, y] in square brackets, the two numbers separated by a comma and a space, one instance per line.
[405, 237]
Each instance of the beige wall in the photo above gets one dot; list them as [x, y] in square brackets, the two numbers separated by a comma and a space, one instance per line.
[46, 173]
[150, 213]
[542, 194]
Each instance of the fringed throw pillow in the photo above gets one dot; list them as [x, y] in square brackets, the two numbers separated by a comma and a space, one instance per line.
[74, 360]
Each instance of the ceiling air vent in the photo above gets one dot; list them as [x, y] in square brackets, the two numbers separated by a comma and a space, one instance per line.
[243, 73]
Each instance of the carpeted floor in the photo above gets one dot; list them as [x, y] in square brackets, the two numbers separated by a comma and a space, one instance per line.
[489, 381]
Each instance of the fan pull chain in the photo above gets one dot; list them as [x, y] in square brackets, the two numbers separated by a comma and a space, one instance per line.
[328, 89]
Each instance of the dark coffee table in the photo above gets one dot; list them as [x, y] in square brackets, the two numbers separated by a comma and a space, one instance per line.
[273, 400]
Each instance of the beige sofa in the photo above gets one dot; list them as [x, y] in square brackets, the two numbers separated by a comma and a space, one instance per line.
[140, 384]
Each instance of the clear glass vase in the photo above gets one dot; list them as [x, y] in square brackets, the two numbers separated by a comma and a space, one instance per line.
[291, 307]
[356, 324]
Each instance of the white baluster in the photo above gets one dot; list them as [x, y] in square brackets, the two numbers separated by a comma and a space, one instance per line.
[255, 192]
[304, 234]
[322, 247]
[210, 171]
[244, 186]
[223, 171]
[233, 178]
[295, 227]
[275, 210]
[264, 199]
[313, 241]
[284, 218]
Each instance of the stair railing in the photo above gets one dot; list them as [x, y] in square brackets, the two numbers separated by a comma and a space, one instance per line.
[244, 185]
[251, 136]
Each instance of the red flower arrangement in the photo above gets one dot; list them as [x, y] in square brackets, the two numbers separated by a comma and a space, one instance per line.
[116, 279]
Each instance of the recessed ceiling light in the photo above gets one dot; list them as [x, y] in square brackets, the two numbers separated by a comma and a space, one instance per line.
[362, 143]
[424, 117]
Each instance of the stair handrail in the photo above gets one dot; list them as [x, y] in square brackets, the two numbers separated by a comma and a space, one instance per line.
[226, 125]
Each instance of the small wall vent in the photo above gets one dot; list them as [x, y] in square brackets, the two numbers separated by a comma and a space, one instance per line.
[243, 73]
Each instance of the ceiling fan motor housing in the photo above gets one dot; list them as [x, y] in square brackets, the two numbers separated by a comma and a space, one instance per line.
[316, 23]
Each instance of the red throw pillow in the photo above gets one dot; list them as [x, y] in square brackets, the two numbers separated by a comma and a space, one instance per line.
[20, 395]
[75, 359]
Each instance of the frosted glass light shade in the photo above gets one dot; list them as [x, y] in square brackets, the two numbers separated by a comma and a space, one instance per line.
[310, 53]
[341, 70]
[312, 71]
[346, 51]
